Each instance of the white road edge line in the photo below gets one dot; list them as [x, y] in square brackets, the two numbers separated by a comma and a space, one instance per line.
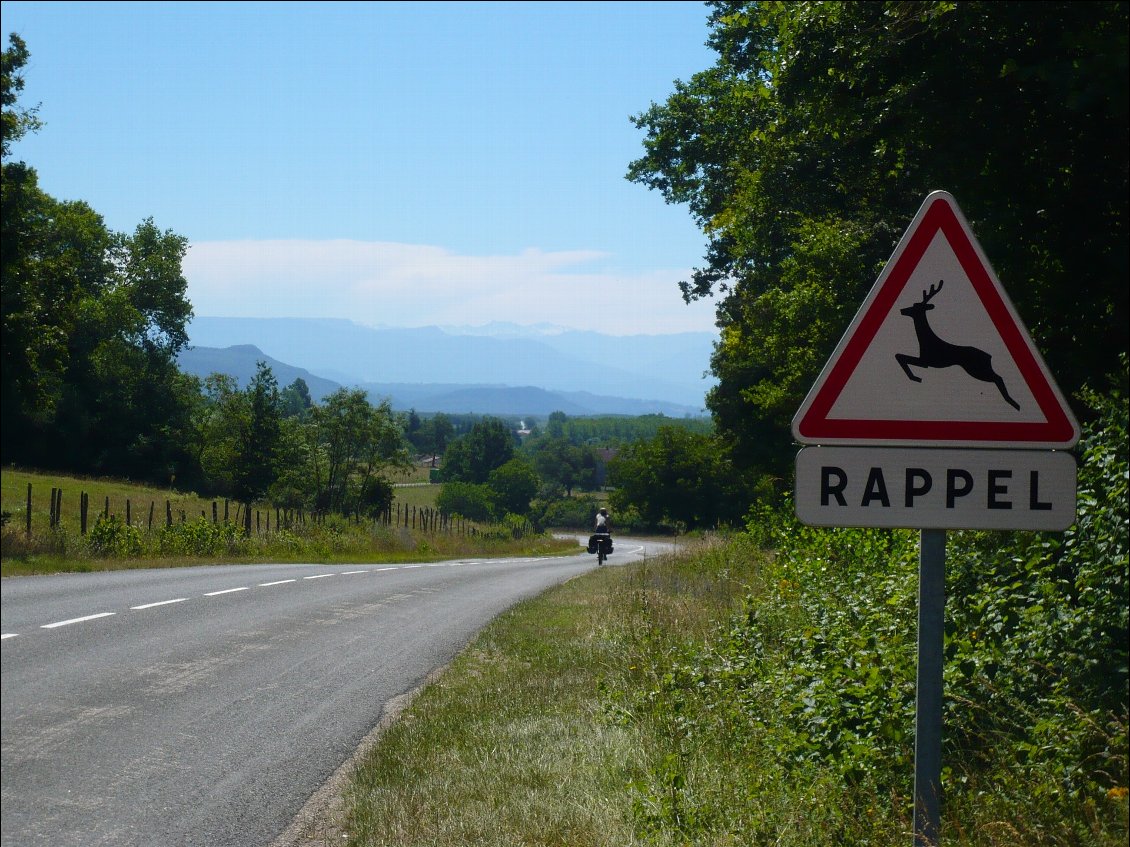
[350, 573]
[8, 635]
[159, 603]
[77, 620]
[278, 582]
[319, 576]
[225, 591]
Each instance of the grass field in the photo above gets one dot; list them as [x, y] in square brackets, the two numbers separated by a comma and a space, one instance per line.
[113, 495]
[194, 538]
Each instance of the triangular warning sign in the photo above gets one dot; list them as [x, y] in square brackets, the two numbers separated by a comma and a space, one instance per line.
[936, 355]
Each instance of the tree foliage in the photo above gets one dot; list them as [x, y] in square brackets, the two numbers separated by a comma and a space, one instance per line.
[92, 323]
[256, 459]
[16, 122]
[471, 458]
[350, 444]
[515, 482]
[678, 477]
[806, 149]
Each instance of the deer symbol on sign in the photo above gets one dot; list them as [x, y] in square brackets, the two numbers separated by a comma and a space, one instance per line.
[933, 352]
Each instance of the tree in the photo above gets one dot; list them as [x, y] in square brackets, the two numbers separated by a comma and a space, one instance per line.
[678, 476]
[555, 425]
[489, 444]
[430, 435]
[561, 463]
[92, 323]
[473, 501]
[16, 122]
[514, 484]
[255, 460]
[437, 432]
[353, 443]
[222, 416]
[807, 148]
[295, 399]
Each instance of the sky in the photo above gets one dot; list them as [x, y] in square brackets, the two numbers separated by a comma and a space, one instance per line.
[396, 164]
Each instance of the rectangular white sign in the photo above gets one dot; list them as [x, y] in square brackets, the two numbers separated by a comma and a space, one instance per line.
[924, 488]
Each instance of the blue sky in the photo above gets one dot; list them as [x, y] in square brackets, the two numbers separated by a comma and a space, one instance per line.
[402, 164]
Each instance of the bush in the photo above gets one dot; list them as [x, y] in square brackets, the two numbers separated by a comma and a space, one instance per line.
[565, 513]
[112, 538]
[473, 501]
[199, 538]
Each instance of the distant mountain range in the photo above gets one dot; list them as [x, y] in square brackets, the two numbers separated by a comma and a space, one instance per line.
[498, 369]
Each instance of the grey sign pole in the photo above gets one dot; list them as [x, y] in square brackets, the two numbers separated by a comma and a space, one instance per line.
[928, 709]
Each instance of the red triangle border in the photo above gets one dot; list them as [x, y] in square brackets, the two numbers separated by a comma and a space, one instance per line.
[1059, 427]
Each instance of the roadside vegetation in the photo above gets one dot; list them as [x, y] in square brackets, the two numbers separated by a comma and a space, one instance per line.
[196, 537]
[759, 690]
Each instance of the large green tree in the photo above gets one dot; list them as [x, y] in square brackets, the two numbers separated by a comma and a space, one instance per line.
[351, 444]
[514, 483]
[807, 148]
[471, 458]
[256, 459]
[92, 323]
[676, 477]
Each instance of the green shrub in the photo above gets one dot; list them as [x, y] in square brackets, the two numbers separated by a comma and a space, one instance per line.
[473, 501]
[113, 538]
[199, 538]
[565, 513]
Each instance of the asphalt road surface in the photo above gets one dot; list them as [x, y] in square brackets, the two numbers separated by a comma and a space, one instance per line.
[204, 706]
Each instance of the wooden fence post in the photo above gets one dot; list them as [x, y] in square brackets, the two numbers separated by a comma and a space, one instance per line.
[129, 513]
[51, 511]
[106, 511]
[168, 513]
[28, 515]
[151, 504]
[83, 505]
[215, 512]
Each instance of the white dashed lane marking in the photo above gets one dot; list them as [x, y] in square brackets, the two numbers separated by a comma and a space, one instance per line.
[159, 603]
[453, 564]
[77, 620]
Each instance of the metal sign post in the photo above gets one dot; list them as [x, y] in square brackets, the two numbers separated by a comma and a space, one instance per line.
[928, 706]
[935, 412]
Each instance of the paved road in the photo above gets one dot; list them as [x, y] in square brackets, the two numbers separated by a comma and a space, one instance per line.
[203, 706]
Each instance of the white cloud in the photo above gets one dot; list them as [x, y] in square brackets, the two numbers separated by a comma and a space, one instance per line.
[417, 285]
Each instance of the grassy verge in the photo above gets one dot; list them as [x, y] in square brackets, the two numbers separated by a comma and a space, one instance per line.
[520, 741]
[629, 707]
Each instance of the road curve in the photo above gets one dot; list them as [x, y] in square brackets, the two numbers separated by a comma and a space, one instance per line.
[204, 706]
